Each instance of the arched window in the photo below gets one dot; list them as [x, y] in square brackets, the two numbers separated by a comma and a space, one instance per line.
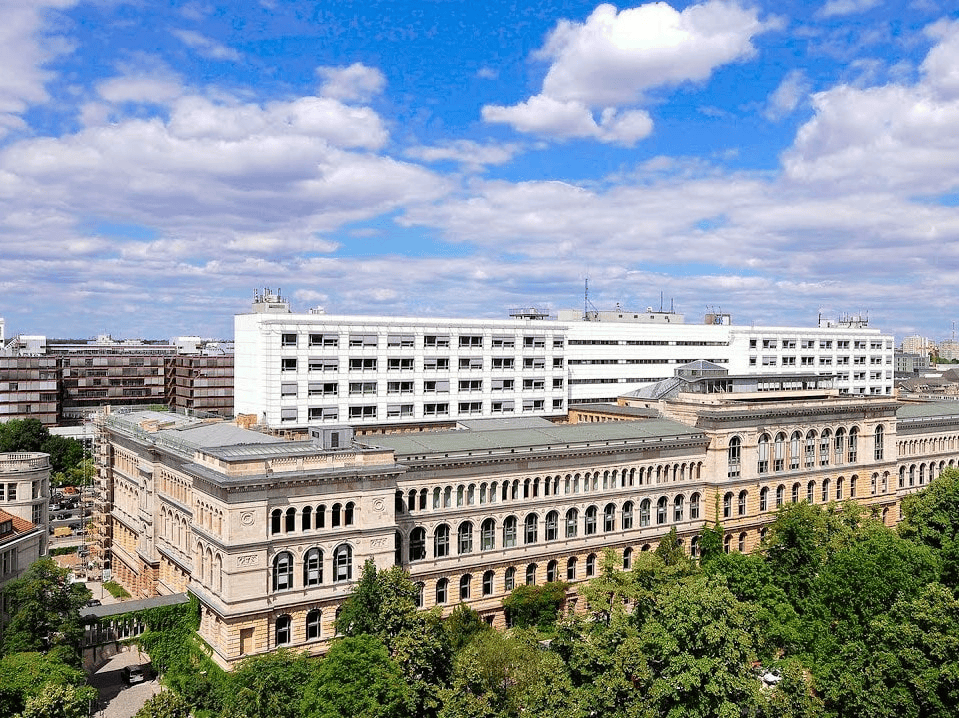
[442, 591]
[290, 520]
[764, 498]
[678, 508]
[795, 492]
[283, 630]
[319, 519]
[465, 582]
[448, 497]
[436, 497]
[307, 518]
[734, 456]
[627, 559]
[825, 441]
[627, 515]
[742, 543]
[811, 492]
[552, 569]
[590, 525]
[839, 487]
[572, 519]
[530, 529]
[441, 541]
[853, 444]
[742, 502]
[552, 525]
[276, 521]
[825, 490]
[840, 446]
[348, 512]
[763, 447]
[591, 565]
[661, 510]
[727, 542]
[313, 567]
[343, 563]
[509, 532]
[694, 547]
[464, 538]
[411, 500]
[283, 571]
[644, 509]
[779, 452]
[875, 480]
[488, 583]
[335, 515]
[313, 624]
[418, 544]
[488, 535]
[810, 458]
[609, 517]
[420, 590]
[531, 575]
[728, 505]
[571, 569]
[878, 453]
[694, 506]
[780, 495]
[795, 442]
[509, 579]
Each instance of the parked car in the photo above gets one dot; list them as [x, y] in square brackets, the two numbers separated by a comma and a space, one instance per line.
[93, 602]
[133, 674]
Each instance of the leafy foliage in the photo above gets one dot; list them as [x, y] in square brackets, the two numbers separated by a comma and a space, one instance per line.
[60, 701]
[165, 704]
[267, 686]
[23, 676]
[535, 606]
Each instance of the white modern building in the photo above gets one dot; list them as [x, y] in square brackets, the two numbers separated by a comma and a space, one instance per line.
[296, 370]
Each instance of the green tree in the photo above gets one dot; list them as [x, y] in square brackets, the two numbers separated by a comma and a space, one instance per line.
[931, 517]
[535, 606]
[795, 548]
[792, 696]
[267, 686]
[357, 679]
[360, 613]
[608, 594]
[710, 543]
[165, 704]
[461, 625]
[670, 550]
[22, 435]
[65, 453]
[60, 701]
[44, 610]
[23, 675]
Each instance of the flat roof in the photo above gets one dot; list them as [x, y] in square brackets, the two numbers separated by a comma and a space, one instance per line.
[927, 410]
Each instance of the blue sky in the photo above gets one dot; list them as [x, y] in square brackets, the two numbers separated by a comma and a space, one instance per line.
[160, 161]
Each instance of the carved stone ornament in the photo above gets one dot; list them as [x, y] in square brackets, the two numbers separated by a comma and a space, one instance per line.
[247, 518]
[378, 505]
[250, 559]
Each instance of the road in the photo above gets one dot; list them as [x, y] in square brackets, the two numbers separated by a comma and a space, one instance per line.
[118, 700]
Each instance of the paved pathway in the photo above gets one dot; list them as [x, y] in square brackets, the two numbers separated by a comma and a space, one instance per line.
[117, 699]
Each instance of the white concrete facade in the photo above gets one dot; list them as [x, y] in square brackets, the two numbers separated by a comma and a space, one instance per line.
[296, 370]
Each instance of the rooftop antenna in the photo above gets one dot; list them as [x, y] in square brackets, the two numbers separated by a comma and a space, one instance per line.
[660, 301]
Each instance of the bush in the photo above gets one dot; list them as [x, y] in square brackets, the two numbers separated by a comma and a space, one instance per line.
[535, 606]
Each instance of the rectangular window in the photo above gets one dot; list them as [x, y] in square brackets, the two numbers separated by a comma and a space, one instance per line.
[439, 386]
[471, 385]
[400, 340]
[534, 384]
[502, 384]
[363, 340]
[357, 364]
[324, 364]
[323, 413]
[399, 387]
[403, 364]
[557, 383]
[436, 364]
[288, 414]
[288, 364]
[533, 404]
[362, 412]
[534, 363]
[288, 340]
[436, 340]
[470, 407]
[769, 343]
[825, 361]
[769, 361]
[842, 344]
[825, 343]
[436, 409]
[362, 388]
[808, 361]
[503, 342]
[557, 403]
[503, 362]
[319, 388]
[789, 361]
[557, 362]
[474, 341]
[324, 340]
[503, 407]
[288, 388]
[395, 411]
[471, 363]
[534, 342]
[789, 343]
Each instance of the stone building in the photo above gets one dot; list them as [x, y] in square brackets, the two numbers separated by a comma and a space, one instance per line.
[270, 534]
[25, 489]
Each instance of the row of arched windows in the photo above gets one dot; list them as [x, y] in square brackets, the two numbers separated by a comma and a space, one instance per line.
[283, 628]
[312, 568]
[514, 531]
[920, 474]
[777, 453]
[519, 490]
[932, 445]
[310, 518]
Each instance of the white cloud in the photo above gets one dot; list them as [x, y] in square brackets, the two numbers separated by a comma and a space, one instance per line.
[608, 63]
[355, 82]
[26, 48]
[787, 96]
[834, 8]
[466, 152]
[155, 88]
[207, 47]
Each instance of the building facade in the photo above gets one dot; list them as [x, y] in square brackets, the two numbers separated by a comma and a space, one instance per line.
[296, 370]
[25, 489]
[271, 534]
[21, 543]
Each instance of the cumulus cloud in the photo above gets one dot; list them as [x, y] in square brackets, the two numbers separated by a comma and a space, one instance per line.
[207, 47]
[357, 82]
[146, 87]
[835, 8]
[787, 96]
[26, 48]
[466, 152]
[610, 61]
